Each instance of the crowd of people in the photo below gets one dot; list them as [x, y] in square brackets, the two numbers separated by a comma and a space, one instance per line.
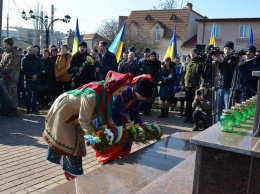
[78, 89]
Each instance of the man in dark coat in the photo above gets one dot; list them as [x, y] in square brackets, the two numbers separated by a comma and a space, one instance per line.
[31, 67]
[107, 61]
[80, 75]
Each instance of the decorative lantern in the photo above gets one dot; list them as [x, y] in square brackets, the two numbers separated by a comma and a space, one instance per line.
[227, 120]
[238, 116]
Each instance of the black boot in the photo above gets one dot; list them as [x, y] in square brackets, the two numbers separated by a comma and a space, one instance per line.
[162, 113]
[195, 128]
[181, 112]
[12, 112]
[166, 112]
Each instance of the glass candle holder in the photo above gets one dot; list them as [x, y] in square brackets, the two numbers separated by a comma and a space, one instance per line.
[227, 120]
[253, 104]
[250, 107]
[244, 111]
[238, 116]
[247, 109]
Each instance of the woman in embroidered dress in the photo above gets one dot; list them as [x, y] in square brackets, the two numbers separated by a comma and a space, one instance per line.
[141, 87]
[71, 116]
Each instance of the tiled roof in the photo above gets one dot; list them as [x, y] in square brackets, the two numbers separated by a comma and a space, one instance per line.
[163, 17]
[191, 42]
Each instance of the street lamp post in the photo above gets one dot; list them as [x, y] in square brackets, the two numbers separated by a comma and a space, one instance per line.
[44, 21]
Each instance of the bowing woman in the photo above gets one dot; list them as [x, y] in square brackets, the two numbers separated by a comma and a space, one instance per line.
[141, 88]
[70, 118]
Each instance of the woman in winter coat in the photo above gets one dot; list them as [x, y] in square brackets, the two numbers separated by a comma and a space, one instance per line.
[167, 79]
[47, 79]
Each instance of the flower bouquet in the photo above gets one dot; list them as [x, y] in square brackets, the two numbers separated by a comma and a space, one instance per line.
[137, 133]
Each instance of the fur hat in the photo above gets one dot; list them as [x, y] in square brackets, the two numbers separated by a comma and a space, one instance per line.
[83, 44]
[229, 44]
[251, 48]
[144, 87]
[9, 41]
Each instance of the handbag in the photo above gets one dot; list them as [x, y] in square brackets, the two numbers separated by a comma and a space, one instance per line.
[180, 95]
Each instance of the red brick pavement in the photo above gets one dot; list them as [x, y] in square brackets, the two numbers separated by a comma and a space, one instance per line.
[23, 168]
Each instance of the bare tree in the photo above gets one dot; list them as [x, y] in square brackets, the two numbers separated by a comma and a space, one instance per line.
[108, 29]
[166, 4]
[257, 38]
[140, 37]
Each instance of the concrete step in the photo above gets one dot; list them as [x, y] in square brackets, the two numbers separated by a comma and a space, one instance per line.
[136, 171]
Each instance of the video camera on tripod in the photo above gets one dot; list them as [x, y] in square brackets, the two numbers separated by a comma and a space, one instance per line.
[235, 55]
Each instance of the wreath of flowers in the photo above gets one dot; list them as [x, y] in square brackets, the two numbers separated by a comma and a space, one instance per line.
[104, 137]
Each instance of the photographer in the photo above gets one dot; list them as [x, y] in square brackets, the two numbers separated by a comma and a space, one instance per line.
[206, 76]
[203, 107]
[246, 85]
[226, 69]
[190, 81]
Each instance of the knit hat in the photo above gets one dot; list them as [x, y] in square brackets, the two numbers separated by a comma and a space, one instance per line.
[83, 44]
[167, 59]
[144, 87]
[116, 80]
[208, 47]
[131, 49]
[229, 44]
[9, 41]
[251, 48]
[54, 49]
[153, 53]
[195, 50]
[146, 50]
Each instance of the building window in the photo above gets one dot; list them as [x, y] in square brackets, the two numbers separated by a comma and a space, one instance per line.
[217, 30]
[157, 33]
[243, 31]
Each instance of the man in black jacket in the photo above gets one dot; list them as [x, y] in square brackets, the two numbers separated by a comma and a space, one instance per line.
[107, 61]
[80, 75]
[31, 67]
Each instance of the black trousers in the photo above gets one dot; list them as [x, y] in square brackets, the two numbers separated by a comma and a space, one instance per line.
[197, 117]
[190, 94]
[62, 87]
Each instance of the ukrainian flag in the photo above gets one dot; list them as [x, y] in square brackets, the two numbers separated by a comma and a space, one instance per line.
[77, 39]
[172, 48]
[212, 40]
[251, 37]
[117, 45]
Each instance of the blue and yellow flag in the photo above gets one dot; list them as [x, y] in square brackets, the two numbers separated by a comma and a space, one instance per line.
[212, 40]
[117, 45]
[251, 37]
[172, 48]
[77, 39]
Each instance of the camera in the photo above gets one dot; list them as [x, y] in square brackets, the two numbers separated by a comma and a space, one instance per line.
[201, 57]
[215, 51]
[235, 55]
[199, 92]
